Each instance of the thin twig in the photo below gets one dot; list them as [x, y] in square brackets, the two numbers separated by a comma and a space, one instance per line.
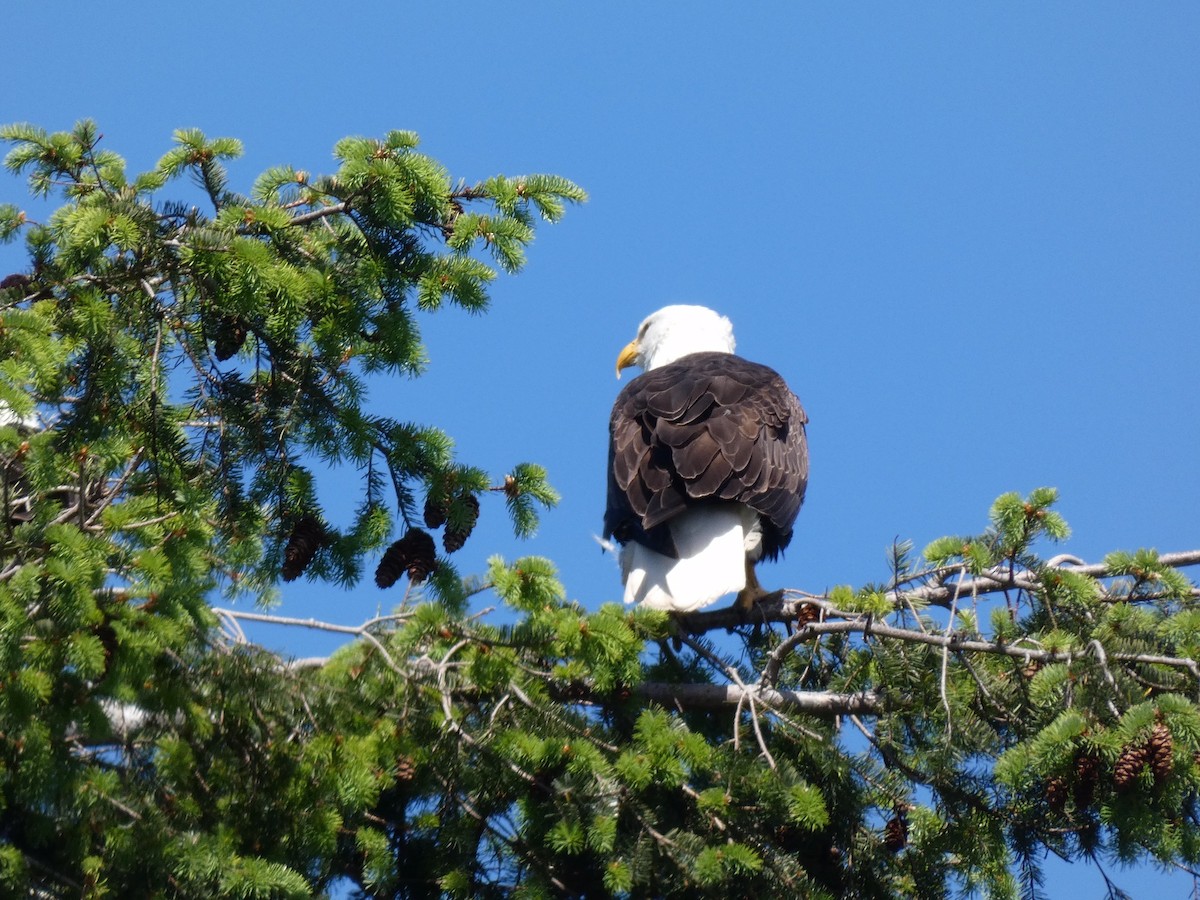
[1102, 661]
[944, 674]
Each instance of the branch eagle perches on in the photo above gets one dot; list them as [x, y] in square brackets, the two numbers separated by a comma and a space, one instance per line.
[813, 619]
[784, 607]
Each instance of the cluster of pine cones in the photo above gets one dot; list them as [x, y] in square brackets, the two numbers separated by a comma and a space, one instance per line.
[1154, 752]
[1082, 788]
[435, 517]
[413, 554]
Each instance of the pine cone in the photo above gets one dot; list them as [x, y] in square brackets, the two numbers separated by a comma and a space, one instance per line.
[308, 535]
[1087, 777]
[406, 769]
[229, 337]
[435, 512]
[808, 612]
[18, 280]
[895, 833]
[1131, 761]
[453, 538]
[1056, 794]
[1159, 751]
[414, 553]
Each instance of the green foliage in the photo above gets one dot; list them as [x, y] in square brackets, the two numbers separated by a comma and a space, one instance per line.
[175, 382]
[275, 307]
[868, 600]
[199, 367]
[526, 485]
[1017, 522]
[11, 221]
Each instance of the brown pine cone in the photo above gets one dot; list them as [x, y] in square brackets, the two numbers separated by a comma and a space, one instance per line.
[414, 553]
[17, 280]
[229, 336]
[512, 490]
[1131, 762]
[1159, 751]
[308, 535]
[808, 612]
[1056, 794]
[453, 538]
[435, 512]
[895, 832]
[1087, 777]
[406, 769]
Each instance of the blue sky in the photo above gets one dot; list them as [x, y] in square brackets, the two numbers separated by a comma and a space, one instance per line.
[967, 234]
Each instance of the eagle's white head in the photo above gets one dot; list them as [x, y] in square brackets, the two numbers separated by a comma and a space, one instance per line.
[676, 331]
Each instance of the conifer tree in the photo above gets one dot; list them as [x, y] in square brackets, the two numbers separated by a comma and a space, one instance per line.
[175, 375]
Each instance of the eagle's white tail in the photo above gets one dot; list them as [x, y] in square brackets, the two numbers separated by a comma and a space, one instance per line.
[712, 562]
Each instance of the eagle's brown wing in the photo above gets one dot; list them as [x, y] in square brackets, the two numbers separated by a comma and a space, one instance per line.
[709, 427]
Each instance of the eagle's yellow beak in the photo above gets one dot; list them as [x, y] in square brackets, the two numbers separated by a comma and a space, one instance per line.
[627, 357]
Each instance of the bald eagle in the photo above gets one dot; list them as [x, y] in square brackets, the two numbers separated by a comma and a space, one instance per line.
[708, 463]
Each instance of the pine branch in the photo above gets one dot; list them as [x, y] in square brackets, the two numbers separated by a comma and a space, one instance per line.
[363, 631]
[867, 626]
[687, 696]
[730, 696]
[316, 624]
[336, 209]
[783, 606]
[1005, 578]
